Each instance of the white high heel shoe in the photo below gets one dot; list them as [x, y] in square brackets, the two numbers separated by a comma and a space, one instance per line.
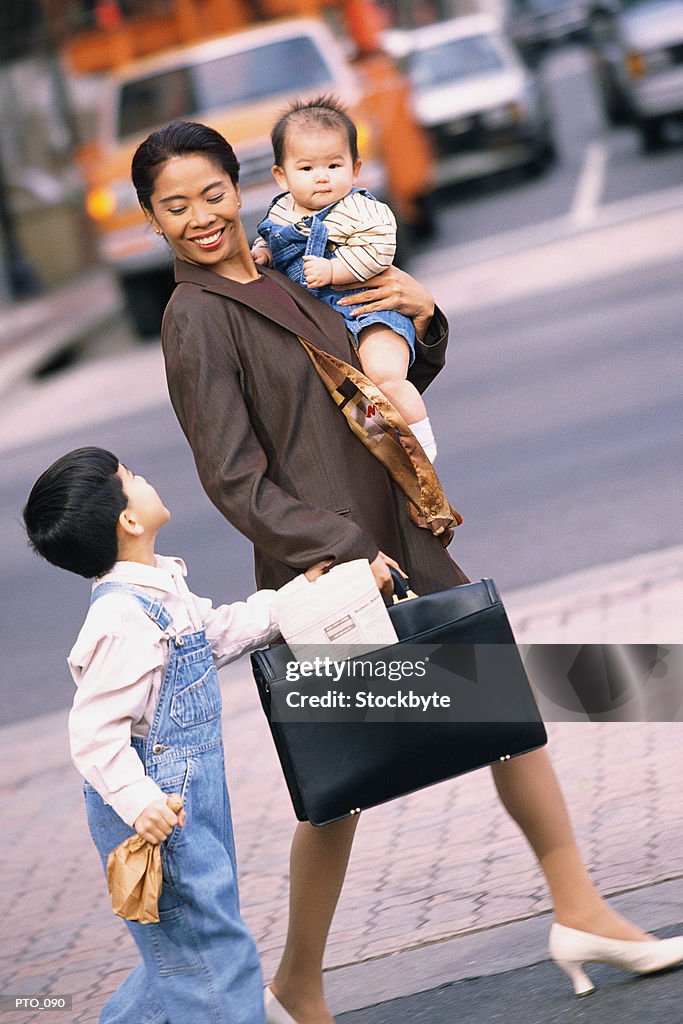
[571, 949]
[275, 1011]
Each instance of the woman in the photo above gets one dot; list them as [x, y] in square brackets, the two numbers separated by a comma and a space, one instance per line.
[277, 458]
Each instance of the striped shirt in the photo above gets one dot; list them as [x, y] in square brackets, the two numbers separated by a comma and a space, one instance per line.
[362, 231]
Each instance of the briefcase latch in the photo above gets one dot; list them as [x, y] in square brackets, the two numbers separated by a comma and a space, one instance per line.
[402, 591]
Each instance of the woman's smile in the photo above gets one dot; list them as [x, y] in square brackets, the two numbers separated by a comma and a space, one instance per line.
[209, 242]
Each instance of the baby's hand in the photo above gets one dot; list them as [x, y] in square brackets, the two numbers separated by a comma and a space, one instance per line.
[317, 271]
[261, 255]
[157, 821]
[317, 570]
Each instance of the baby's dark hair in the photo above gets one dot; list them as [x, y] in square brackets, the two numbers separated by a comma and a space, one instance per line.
[321, 112]
[72, 512]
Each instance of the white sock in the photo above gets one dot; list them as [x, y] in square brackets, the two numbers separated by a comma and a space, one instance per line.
[423, 432]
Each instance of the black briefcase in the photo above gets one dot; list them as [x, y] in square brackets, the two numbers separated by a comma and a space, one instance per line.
[336, 768]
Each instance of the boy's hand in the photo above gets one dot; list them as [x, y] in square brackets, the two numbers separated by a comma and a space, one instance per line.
[261, 255]
[157, 821]
[317, 570]
[317, 271]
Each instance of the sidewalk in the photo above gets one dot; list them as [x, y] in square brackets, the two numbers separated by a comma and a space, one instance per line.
[35, 331]
[440, 884]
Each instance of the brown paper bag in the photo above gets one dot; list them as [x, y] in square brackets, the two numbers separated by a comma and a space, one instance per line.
[134, 875]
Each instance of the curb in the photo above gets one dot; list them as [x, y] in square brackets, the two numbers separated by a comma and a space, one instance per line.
[63, 317]
[479, 954]
[32, 333]
[558, 229]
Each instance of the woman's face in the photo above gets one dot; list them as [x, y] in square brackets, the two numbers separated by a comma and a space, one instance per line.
[197, 208]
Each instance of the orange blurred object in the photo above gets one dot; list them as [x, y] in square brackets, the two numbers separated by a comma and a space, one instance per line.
[364, 21]
[635, 64]
[108, 15]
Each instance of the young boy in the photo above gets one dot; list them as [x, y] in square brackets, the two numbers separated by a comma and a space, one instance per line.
[146, 722]
[322, 232]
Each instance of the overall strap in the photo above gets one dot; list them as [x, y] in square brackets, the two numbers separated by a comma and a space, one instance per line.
[153, 607]
[317, 241]
[321, 214]
[274, 200]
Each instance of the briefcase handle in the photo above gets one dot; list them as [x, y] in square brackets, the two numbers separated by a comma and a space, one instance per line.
[402, 591]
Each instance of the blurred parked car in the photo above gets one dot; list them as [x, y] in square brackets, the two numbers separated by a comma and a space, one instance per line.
[485, 110]
[537, 25]
[239, 84]
[638, 58]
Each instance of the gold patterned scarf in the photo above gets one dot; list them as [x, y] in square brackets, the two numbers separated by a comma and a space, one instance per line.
[384, 432]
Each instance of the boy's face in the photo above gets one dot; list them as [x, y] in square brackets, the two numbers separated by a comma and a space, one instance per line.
[143, 500]
[317, 168]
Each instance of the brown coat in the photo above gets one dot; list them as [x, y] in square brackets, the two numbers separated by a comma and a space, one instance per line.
[272, 451]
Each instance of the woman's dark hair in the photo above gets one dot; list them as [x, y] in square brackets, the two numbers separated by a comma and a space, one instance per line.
[72, 512]
[322, 112]
[179, 138]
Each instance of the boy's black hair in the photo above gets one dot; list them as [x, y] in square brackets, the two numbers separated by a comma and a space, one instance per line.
[72, 512]
[321, 112]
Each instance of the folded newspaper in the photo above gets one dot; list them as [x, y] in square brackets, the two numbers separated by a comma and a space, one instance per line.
[342, 610]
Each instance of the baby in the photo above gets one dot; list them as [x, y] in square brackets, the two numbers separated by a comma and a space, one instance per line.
[325, 233]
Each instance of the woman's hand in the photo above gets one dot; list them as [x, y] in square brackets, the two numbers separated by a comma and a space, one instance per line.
[157, 821]
[394, 289]
[381, 571]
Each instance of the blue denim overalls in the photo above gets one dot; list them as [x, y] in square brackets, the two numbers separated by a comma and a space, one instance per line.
[288, 246]
[199, 963]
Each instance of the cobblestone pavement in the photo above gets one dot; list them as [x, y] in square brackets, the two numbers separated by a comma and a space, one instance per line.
[440, 863]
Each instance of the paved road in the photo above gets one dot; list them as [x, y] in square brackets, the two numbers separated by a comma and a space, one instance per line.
[598, 165]
[537, 994]
[558, 415]
[562, 451]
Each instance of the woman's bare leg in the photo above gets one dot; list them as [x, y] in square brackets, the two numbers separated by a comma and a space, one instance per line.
[531, 794]
[318, 862]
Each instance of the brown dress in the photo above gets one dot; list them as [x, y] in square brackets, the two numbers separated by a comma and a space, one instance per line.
[272, 450]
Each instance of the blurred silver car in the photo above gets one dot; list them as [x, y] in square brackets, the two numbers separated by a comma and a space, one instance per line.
[638, 56]
[537, 25]
[485, 110]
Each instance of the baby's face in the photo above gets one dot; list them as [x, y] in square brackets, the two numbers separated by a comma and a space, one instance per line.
[317, 168]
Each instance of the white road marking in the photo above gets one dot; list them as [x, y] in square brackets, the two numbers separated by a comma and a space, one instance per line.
[589, 186]
[530, 236]
[566, 64]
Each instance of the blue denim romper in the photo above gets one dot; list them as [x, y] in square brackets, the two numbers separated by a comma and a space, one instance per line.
[199, 963]
[288, 246]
